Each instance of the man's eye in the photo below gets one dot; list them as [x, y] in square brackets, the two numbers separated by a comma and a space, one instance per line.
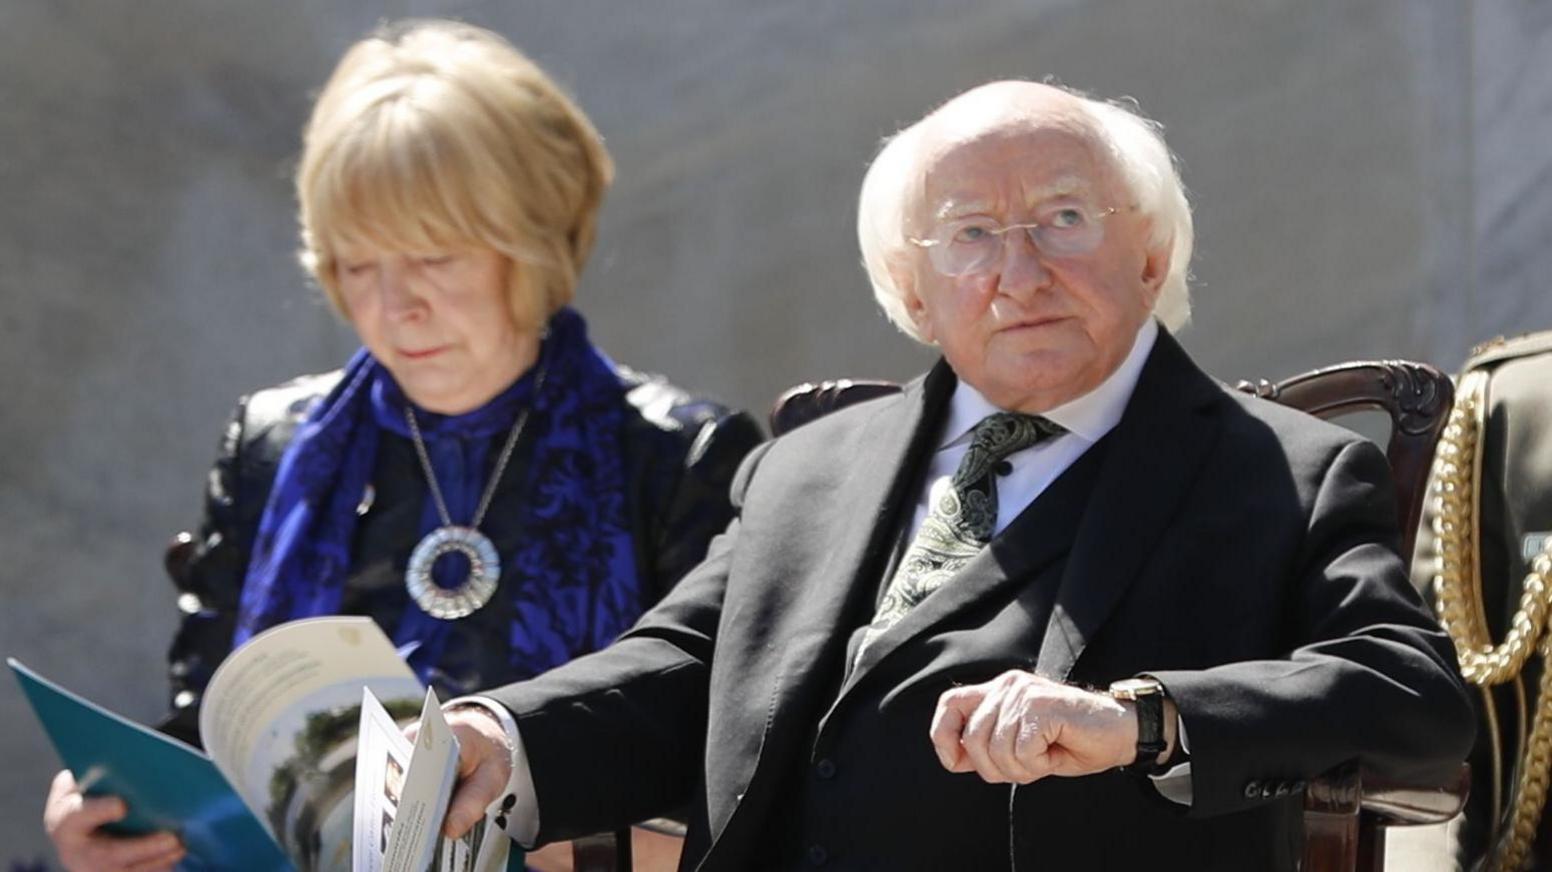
[971, 234]
[1068, 218]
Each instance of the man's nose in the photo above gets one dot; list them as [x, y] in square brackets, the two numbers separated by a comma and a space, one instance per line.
[1023, 269]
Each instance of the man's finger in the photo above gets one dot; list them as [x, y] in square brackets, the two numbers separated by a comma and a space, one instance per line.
[477, 789]
[948, 722]
[977, 736]
[1002, 745]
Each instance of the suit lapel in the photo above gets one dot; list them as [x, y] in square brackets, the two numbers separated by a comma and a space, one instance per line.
[1164, 436]
[1043, 532]
[878, 461]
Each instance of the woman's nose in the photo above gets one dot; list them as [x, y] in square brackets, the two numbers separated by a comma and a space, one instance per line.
[396, 286]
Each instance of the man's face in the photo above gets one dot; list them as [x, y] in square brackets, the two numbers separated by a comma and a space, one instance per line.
[1031, 328]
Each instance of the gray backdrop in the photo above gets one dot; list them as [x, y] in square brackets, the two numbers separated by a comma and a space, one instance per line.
[1371, 180]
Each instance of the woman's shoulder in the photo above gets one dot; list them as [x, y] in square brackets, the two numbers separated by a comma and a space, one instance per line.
[267, 418]
[681, 429]
[671, 409]
[289, 399]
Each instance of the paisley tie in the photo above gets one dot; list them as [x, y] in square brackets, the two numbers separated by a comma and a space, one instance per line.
[961, 516]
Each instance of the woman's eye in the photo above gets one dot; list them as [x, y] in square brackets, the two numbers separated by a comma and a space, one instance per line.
[355, 269]
[436, 260]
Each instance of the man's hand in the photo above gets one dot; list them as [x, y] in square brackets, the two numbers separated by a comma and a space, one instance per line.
[1020, 727]
[484, 767]
[72, 819]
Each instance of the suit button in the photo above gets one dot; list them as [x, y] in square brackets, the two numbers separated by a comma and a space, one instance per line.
[817, 855]
[825, 769]
[1252, 789]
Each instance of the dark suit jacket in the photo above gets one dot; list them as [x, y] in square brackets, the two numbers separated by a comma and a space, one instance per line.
[1242, 553]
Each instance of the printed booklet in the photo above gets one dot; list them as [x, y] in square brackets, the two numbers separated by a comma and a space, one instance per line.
[305, 764]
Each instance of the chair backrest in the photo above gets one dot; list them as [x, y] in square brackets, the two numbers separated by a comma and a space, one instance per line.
[1346, 811]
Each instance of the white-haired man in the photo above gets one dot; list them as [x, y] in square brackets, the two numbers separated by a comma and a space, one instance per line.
[1063, 603]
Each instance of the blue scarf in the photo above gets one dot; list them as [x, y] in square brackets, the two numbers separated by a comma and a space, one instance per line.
[572, 581]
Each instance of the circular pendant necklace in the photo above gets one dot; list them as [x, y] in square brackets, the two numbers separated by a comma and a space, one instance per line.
[450, 604]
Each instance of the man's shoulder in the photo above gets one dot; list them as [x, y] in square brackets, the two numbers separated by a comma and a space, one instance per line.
[1256, 420]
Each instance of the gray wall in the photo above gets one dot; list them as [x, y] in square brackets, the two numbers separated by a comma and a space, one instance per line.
[1371, 180]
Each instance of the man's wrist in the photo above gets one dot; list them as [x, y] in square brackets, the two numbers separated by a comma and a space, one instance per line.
[1154, 723]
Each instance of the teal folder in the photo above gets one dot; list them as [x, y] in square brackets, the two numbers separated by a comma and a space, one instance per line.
[167, 784]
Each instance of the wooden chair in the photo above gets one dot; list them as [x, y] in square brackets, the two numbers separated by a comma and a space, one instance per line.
[1346, 811]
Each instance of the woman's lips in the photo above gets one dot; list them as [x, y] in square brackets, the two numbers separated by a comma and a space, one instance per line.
[421, 354]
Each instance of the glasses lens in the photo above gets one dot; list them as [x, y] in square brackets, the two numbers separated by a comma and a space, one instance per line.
[1067, 231]
[975, 246]
[965, 247]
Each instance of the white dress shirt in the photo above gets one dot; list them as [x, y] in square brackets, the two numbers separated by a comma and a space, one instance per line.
[1087, 419]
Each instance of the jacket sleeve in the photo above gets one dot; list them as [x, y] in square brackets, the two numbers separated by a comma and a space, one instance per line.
[208, 575]
[618, 735]
[1372, 676]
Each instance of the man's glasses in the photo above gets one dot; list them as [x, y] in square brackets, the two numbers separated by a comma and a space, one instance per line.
[973, 246]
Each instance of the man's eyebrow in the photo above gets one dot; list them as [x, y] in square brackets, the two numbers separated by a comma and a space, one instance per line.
[960, 206]
[1064, 186]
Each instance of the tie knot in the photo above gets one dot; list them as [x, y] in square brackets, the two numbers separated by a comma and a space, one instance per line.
[1000, 435]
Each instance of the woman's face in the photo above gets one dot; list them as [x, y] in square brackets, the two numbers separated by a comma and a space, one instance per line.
[438, 320]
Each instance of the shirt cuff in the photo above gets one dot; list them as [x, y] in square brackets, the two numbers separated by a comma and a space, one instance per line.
[516, 811]
[1174, 784]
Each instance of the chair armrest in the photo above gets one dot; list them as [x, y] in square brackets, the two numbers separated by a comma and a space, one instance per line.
[1395, 804]
[1346, 790]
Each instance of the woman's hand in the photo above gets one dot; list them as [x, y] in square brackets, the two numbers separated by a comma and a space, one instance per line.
[72, 819]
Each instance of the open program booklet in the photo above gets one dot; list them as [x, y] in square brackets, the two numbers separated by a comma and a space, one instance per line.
[284, 720]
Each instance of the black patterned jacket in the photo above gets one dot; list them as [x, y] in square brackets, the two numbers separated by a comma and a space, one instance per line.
[681, 452]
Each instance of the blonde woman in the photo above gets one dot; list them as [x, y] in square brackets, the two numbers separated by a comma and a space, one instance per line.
[479, 478]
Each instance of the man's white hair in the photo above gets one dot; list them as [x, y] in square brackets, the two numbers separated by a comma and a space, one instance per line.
[1136, 143]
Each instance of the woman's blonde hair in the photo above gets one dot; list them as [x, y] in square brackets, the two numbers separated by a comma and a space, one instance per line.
[437, 134]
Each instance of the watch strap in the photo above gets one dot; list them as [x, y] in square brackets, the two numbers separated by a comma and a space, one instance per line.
[1150, 734]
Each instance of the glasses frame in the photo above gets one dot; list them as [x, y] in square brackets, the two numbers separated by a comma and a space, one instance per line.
[1002, 231]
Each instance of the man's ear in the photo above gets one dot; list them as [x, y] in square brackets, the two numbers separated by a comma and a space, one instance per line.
[1155, 266]
[905, 280]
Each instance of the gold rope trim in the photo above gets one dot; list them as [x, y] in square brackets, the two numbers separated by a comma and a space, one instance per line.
[1458, 588]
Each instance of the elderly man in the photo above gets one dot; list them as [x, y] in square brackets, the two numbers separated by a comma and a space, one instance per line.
[898, 655]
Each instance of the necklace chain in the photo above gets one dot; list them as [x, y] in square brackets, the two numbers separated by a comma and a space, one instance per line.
[501, 461]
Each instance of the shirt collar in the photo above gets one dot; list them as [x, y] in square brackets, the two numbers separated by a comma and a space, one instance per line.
[1089, 417]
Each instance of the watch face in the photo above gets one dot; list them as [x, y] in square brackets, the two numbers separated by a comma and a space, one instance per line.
[1128, 688]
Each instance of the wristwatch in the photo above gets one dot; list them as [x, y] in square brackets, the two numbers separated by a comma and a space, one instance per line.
[1147, 697]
